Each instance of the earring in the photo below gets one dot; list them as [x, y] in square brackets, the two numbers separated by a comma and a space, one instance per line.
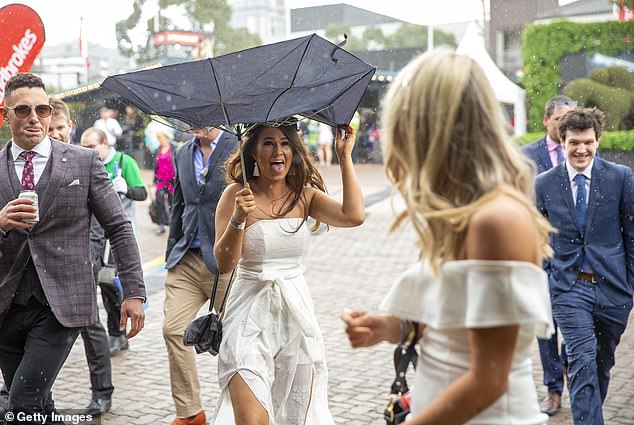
[256, 170]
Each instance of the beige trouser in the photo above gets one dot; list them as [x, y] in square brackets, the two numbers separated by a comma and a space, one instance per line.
[187, 288]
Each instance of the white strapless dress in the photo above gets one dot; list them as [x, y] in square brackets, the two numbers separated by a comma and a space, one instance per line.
[270, 333]
[475, 294]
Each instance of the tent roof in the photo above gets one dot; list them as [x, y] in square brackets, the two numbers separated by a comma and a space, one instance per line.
[472, 45]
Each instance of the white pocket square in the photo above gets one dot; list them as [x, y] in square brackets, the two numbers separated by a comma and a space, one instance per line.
[74, 182]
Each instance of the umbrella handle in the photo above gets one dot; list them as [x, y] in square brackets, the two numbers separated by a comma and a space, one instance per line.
[244, 171]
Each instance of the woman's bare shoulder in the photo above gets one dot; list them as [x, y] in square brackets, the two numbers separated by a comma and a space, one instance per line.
[309, 192]
[233, 188]
[502, 229]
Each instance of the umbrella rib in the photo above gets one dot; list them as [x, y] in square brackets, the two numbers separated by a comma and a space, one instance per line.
[294, 77]
[222, 102]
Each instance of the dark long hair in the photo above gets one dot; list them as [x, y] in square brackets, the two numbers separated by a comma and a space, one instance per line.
[302, 173]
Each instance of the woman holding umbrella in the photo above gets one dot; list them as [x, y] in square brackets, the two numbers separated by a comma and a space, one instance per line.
[271, 365]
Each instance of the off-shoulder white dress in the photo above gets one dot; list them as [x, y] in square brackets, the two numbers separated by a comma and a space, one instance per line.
[470, 294]
[270, 332]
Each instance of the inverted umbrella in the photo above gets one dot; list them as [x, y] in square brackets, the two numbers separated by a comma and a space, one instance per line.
[307, 76]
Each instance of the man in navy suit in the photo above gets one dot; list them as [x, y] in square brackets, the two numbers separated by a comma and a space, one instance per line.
[190, 262]
[547, 152]
[590, 202]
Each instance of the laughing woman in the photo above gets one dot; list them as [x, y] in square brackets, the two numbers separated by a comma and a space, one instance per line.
[272, 368]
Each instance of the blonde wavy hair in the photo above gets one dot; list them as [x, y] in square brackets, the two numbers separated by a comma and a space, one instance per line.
[447, 153]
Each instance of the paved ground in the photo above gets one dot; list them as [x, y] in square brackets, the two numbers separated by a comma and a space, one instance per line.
[345, 268]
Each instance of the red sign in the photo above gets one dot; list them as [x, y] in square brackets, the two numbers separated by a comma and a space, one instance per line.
[178, 37]
[21, 41]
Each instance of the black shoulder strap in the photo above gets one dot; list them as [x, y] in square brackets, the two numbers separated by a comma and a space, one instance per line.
[215, 289]
[404, 354]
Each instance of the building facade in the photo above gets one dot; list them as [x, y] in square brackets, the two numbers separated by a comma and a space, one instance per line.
[266, 18]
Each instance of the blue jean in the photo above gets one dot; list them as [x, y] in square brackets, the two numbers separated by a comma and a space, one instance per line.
[592, 327]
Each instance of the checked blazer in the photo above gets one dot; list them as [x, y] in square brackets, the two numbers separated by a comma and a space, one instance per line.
[59, 243]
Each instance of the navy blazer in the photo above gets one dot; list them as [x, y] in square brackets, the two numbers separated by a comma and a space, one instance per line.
[194, 207]
[538, 152]
[608, 237]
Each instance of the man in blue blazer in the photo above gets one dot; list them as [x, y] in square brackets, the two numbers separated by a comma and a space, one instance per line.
[190, 262]
[546, 153]
[590, 202]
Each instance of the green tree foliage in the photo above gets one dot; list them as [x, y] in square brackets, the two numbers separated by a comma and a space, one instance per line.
[373, 36]
[544, 46]
[621, 141]
[233, 40]
[201, 13]
[615, 76]
[609, 89]
[122, 27]
[335, 33]
[415, 36]
[406, 36]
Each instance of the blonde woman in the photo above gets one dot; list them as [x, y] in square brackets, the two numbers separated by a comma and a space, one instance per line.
[479, 293]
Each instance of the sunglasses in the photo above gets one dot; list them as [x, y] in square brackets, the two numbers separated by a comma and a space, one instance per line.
[24, 111]
[571, 104]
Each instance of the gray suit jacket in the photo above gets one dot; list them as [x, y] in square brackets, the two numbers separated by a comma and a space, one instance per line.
[194, 207]
[60, 243]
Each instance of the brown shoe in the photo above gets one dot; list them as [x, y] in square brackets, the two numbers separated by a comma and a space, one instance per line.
[551, 404]
[199, 419]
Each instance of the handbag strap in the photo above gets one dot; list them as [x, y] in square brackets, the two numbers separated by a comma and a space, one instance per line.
[105, 258]
[215, 289]
[406, 353]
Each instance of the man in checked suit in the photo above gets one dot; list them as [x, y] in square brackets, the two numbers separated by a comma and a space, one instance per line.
[590, 202]
[547, 153]
[191, 266]
[47, 289]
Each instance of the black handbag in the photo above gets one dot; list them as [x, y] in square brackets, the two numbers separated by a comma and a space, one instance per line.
[205, 332]
[405, 353]
[154, 211]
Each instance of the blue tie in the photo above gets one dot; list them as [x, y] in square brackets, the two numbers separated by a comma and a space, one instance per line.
[580, 205]
[581, 208]
[560, 154]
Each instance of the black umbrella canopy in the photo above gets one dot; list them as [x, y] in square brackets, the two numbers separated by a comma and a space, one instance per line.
[307, 76]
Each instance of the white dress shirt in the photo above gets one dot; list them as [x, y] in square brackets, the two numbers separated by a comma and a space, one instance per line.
[43, 151]
[572, 173]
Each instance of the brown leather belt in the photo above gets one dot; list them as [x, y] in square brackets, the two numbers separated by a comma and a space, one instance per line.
[588, 277]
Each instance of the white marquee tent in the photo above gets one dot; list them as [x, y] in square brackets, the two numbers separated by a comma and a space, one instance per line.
[506, 91]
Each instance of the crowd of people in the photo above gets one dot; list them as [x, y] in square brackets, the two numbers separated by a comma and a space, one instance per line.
[509, 240]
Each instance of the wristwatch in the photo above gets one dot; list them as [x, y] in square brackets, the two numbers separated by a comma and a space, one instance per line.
[3, 234]
[240, 225]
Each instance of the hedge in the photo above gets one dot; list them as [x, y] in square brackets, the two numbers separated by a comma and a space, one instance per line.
[610, 140]
[545, 45]
[616, 102]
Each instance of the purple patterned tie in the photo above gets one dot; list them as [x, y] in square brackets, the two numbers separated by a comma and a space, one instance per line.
[28, 176]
